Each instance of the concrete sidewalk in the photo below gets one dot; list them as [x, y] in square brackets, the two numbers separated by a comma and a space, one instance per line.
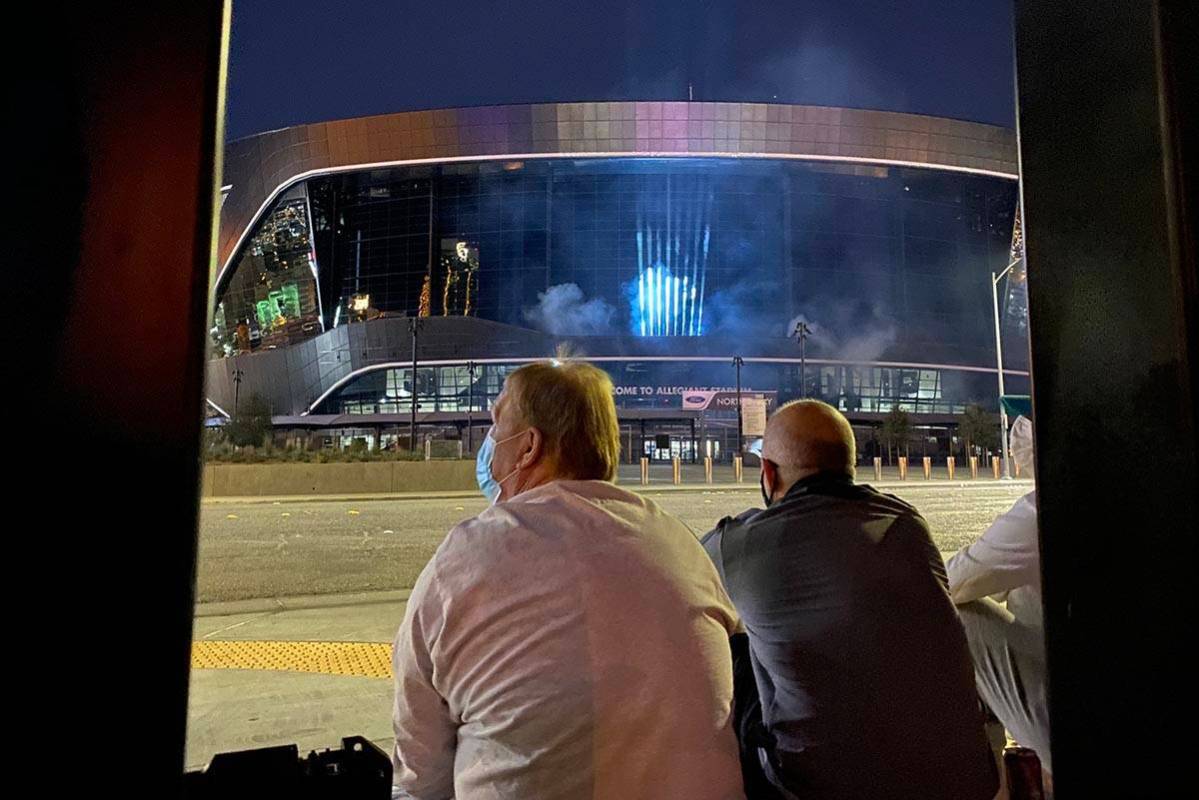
[242, 708]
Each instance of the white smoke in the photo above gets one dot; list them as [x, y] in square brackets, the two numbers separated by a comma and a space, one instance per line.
[869, 345]
[737, 311]
[850, 334]
[853, 330]
[562, 311]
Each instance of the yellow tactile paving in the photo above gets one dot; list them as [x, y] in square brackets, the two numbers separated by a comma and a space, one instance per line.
[363, 659]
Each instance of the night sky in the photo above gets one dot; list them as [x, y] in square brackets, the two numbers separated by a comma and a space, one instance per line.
[296, 61]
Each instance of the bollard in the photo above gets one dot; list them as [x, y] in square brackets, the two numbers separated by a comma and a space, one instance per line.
[707, 469]
[1024, 778]
[460, 449]
[974, 467]
[644, 471]
[995, 466]
[903, 468]
[878, 468]
[428, 449]
[737, 468]
[949, 462]
[928, 468]
[675, 470]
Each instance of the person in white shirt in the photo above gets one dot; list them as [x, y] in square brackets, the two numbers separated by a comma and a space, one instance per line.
[1007, 641]
[571, 641]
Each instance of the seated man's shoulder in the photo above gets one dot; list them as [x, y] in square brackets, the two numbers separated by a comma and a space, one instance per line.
[711, 539]
[744, 519]
[907, 517]
[475, 535]
[849, 503]
[885, 517]
[885, 501]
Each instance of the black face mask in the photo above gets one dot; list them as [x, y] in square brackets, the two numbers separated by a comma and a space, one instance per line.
[762, 484]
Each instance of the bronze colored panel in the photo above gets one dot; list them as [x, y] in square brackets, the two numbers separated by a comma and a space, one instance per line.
[674, 128]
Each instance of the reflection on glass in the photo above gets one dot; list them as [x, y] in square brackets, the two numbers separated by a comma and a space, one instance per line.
[271, 300]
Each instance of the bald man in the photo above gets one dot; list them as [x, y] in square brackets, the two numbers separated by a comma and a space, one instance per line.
[864, 676]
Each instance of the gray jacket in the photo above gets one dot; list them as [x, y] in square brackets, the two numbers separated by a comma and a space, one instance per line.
[866, 685]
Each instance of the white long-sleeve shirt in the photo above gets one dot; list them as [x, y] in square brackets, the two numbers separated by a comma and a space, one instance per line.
[569, 643]
[1006, 558]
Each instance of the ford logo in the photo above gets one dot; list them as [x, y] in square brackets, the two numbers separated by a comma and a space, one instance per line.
[694, 398]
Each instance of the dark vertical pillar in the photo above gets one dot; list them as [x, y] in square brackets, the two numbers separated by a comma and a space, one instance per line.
[785, 258]
[737, 362]
[549, 226]
[429, 269]
[123, 120]
[414, 326]
[1112, 303]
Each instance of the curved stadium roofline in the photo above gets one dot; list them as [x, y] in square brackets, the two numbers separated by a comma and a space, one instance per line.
[259, 168]
[236, 139]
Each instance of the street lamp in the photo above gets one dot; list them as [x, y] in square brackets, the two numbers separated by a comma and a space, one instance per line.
[470, 406]
[995, 279]
[414, 326]
[801, 332]
[737, 362]
[237, 376]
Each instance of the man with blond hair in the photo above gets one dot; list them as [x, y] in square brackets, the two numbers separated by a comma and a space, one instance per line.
[571, 641]
[864, 677]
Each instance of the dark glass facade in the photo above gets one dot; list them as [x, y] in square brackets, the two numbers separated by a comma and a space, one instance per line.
[884, 262]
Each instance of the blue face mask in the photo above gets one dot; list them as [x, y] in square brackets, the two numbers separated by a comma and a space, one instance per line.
[488, 485]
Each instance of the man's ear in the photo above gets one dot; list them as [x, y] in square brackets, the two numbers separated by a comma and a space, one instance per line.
[770, 472]
[535, 450]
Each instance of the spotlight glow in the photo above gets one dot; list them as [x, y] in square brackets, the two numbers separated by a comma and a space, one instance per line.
[672, 260]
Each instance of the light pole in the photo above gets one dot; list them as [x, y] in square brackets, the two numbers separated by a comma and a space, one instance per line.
[995, 279]
[802, 331]
[470, 406]
[237, 376]
[737, 362]
[414, 326]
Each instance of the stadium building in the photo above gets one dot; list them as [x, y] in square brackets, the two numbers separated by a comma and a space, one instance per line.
[678, 245]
